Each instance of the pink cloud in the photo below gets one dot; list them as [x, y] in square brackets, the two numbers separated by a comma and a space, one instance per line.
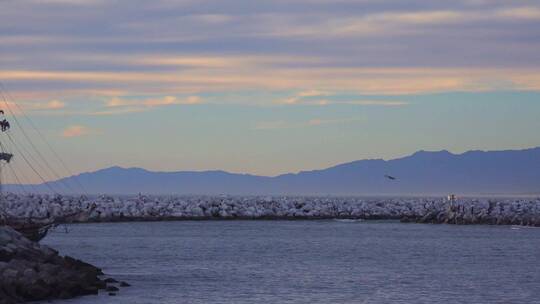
[75, 131]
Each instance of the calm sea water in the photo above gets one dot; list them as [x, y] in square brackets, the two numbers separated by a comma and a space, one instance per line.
[325, 261]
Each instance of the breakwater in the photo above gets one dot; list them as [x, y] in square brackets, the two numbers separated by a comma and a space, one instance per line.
[519, 211]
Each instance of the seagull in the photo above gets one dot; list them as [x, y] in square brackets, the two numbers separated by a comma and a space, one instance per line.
[390, 177]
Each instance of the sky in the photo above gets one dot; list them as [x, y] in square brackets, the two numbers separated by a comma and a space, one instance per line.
[263, 87]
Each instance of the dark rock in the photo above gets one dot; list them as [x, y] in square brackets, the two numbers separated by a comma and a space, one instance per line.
[110, 280]
[111, 288]
[124, 284]
[33, 272]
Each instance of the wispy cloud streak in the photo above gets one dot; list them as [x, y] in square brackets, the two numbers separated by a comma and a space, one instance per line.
[69, 49]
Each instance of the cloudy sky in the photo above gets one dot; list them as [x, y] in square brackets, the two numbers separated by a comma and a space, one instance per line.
[267, 87]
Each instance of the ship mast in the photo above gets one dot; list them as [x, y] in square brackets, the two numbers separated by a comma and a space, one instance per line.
[4, 155]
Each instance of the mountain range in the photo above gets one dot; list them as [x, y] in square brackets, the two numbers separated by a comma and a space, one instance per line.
[422, 173]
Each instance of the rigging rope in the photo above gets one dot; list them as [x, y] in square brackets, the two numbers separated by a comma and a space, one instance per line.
[23, 149]
[31, 123]
[40, 155]
[4, 148]
[23, 132]
[30, 165]
[19, 183]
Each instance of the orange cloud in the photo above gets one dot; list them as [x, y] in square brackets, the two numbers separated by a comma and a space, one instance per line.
[117, 102]
[364, 80]
[54, 105]
[386, 103]
[118, 105]
[153, 102]
[429, 17]
[305, 98]
[172, 100]
[313, 84]
[524, 13]
[310, 93]
[75, 131]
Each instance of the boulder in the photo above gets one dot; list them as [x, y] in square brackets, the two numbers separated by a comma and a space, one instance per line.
[33, 272]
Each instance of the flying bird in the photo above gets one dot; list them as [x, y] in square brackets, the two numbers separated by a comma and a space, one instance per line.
[390, 177]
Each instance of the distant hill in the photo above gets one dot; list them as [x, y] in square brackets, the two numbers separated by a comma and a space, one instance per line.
[473, 172]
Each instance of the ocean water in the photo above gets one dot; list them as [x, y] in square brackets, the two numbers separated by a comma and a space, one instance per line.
[319, 261]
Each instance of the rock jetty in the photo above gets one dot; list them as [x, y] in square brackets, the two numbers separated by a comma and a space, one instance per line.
[521, 211]
[30, 272]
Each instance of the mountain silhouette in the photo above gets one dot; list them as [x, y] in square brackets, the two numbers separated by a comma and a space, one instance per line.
[422, 173]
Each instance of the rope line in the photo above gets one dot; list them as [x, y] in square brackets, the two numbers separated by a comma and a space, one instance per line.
[26, 183]
[61, 180]
[19, 183]
[30, 165]
[24, 133]
[23, 149]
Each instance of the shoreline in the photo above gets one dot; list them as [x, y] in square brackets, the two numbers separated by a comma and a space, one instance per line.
[277, 219]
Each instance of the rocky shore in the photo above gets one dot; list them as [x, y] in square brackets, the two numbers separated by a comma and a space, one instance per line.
[30, 272]
[518, 211]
